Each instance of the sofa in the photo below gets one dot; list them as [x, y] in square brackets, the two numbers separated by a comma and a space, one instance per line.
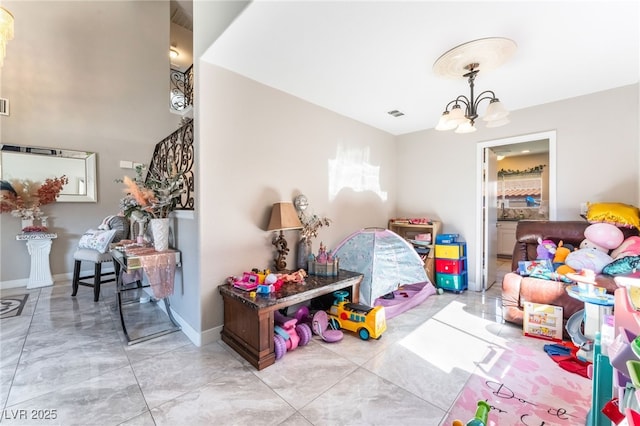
[517, 289]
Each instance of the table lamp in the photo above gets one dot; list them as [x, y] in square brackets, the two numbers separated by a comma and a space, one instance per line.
[283, 217]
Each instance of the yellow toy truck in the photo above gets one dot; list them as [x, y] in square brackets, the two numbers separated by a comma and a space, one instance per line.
[364, 320]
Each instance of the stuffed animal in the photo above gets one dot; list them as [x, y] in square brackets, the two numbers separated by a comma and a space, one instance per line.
[588, 258]
[604, 235]
[565, 269]
[546, 249]
[561, 253]
[629, 247]
[588, 244]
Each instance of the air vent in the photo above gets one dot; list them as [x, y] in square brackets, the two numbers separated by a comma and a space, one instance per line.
[396, 113]
[4, 106]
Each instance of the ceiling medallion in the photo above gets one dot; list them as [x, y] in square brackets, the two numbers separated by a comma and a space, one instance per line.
[467, 60]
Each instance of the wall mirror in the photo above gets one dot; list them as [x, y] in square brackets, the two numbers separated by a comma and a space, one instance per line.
[39, 163]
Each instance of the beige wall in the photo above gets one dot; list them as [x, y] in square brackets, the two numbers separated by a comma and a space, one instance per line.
[73, 84]
[597, 155]
[259, 146]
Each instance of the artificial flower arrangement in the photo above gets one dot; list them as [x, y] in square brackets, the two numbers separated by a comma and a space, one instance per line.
[311, 225]
[23, 198]
[153, 197]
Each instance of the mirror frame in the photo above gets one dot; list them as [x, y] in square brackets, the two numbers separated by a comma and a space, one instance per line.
[89, 167]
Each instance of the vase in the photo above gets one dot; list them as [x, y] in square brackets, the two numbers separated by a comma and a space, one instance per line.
[304, 250]
[140, 236]
[160, 233]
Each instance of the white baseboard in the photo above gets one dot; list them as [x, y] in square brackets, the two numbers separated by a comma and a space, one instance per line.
[197, 338]
[5, 285]
[22, 282]
[211, 335]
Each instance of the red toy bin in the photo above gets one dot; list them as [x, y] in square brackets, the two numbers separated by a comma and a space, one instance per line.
[450, 266]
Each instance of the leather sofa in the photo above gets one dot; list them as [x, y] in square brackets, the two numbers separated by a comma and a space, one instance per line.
[517, 289]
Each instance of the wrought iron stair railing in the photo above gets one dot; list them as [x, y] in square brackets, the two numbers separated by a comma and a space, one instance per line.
[181, 85]
[175, 154]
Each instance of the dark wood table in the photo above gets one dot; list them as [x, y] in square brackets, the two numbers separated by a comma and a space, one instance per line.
[248, 321]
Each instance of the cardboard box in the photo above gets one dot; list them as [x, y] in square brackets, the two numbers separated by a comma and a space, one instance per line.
[542, 321]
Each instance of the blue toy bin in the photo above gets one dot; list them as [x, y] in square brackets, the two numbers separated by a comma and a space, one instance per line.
[447, 238]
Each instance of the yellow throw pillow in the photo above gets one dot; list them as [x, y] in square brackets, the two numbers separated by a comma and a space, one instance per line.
[618, 214]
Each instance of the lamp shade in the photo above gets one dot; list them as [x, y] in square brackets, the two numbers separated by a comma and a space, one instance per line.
[456, 116]
[495, 111]
[445, 123]
[497, 123]
[465, 127]
[284, 216]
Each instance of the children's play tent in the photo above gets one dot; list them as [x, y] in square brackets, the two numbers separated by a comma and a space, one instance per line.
[388, 263]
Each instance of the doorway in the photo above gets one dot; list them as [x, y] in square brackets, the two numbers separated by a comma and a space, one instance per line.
[488, 204]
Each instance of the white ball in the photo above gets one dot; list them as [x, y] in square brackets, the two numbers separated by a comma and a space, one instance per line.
[271, 279]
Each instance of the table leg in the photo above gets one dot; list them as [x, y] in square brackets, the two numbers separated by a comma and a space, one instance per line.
[167, 306]
[117, 270]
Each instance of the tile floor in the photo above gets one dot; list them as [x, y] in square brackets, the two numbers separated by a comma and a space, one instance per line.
[67, 355]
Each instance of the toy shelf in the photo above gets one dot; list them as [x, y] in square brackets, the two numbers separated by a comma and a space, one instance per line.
[422, 236]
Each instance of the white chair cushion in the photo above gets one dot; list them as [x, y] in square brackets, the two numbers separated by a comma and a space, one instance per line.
[90, 255]
[97, 240]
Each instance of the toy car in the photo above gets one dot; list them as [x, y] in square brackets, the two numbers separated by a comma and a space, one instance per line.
[364, 320]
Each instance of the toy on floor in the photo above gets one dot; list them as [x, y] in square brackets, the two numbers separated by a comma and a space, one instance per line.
[320, 324]
[574, 329]
[481, 418]
[289, 334]
[364, 320]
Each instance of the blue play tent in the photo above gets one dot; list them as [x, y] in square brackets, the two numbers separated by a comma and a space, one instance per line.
[387, 262]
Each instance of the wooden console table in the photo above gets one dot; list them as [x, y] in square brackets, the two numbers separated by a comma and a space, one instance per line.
[248, 322]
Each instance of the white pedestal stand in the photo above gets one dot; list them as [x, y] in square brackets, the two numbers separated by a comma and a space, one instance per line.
[39, 247]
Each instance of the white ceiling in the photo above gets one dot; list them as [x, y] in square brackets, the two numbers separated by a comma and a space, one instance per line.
[364, 58]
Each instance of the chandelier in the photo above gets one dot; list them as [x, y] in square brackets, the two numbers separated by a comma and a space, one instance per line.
[6, 31]
[466, 60]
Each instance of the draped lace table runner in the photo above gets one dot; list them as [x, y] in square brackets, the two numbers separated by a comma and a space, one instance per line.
[160, 268]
